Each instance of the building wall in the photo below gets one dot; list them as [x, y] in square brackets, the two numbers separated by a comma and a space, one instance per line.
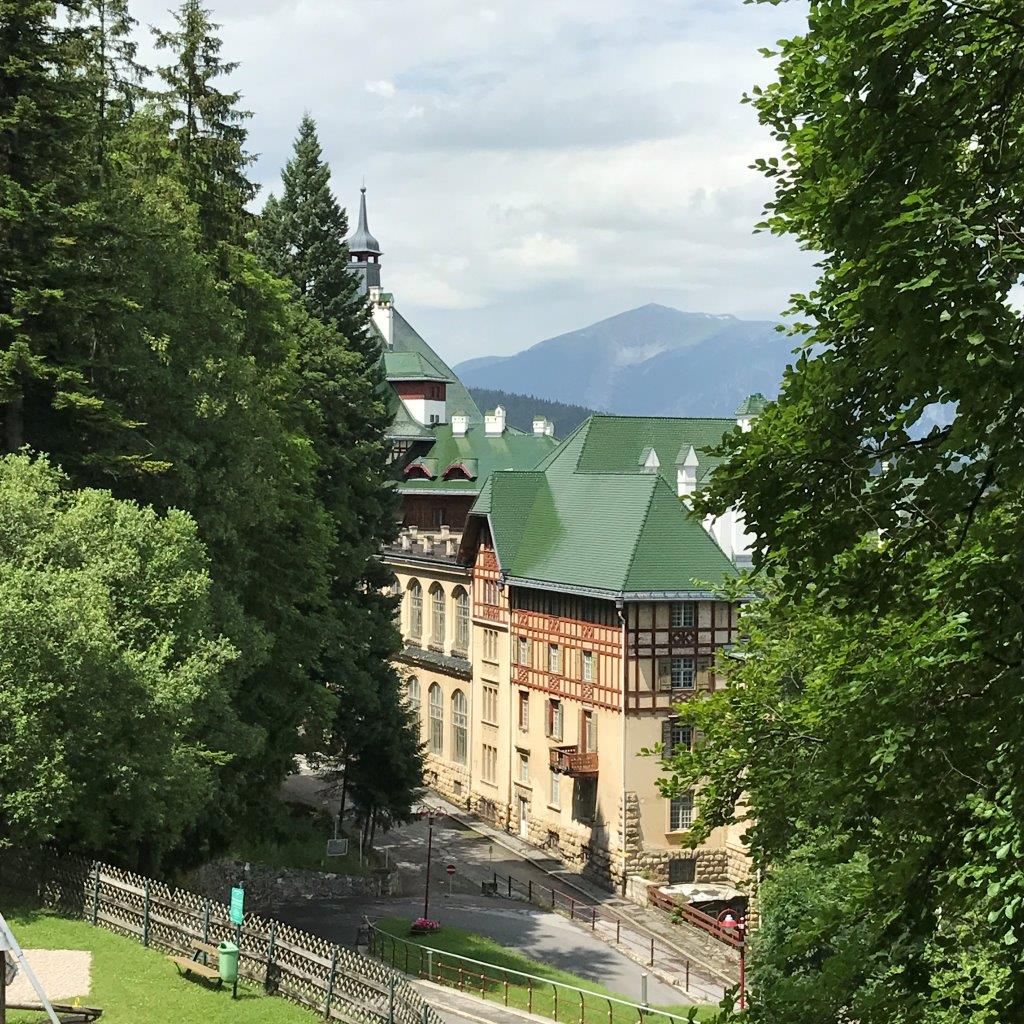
[611, 825]
[430, 511]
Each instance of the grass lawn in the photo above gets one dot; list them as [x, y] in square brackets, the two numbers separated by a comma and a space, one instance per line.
[477, 947]
[134, 985]
[295, 836]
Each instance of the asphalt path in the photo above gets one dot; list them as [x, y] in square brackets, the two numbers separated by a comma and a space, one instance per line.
[537, 934]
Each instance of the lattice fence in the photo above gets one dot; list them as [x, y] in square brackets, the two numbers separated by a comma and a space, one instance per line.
[335, 981]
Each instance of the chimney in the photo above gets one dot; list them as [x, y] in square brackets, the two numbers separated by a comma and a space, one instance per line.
[381, 311]
[451, 549]
[543, 427]
[494, 422]
[649, 461]
[686, 473]
[460, 424]
[750, 408]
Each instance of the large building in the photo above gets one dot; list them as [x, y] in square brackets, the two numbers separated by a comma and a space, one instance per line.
[558, 600]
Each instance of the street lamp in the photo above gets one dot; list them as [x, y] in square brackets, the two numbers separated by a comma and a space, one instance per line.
[728, 919]
[430, 845]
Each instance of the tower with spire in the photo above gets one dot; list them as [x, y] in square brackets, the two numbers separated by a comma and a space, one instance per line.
[364, 251]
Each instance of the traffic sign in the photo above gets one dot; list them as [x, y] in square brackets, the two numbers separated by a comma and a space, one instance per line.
[450, 869]
[237, 913]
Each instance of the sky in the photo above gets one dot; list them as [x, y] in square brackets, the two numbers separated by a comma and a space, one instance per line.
[531, 166]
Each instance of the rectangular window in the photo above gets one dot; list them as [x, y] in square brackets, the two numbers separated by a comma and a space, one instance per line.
[554, 723]
[524, 767]
[556, 790]
[683, 673]
[588, 666]
[490, 592]
[588, 733]
[490, 645]
[490, 705]
[522, 651]
[681, 736]
[684, 614]
[680, 814]
[524, 710]
[489, 763]
[554, 659]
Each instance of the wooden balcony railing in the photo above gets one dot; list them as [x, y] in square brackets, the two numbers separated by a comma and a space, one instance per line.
[573, 761]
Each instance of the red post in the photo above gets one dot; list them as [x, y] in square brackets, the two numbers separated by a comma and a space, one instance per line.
[743, 963]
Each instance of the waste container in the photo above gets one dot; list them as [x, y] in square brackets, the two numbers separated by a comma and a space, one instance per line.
[228, 962]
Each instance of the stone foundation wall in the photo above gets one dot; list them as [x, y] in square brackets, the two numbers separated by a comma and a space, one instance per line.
[450, 780]
[265, 887]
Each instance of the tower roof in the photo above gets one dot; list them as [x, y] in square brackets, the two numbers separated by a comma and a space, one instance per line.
[361, 242]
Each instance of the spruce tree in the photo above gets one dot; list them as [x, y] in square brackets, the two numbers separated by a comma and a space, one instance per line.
[207, 126]
[302, 237]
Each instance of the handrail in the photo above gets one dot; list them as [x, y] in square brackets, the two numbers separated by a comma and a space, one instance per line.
[443, 954]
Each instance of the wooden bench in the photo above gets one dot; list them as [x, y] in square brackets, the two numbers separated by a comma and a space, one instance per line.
[193, 965]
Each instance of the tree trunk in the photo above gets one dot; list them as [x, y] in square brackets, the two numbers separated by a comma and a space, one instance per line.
[14, 424]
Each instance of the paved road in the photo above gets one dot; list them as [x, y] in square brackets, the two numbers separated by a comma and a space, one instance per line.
[537, 934]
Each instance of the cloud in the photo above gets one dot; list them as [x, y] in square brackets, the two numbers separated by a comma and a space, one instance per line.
[381, 87]
[532, 165]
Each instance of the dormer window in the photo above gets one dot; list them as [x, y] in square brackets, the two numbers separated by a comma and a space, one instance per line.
[464, 469]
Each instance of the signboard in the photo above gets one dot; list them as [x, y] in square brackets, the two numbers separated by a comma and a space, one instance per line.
[450, 869]
[337, 847]
[237, 913]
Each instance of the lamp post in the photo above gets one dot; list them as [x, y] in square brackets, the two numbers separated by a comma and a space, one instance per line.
[430, 845]
[728, 919]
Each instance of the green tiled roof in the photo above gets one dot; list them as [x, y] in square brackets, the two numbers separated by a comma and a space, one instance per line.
[411, 366]
[403, 426]
[404, 339]
[588, 517]
[480, 454]
[752, 405]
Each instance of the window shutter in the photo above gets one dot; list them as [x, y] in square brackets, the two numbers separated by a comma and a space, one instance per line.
[664, 673]
[666, 737]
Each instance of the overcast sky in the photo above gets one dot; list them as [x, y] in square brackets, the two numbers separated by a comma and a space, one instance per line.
[532, 165]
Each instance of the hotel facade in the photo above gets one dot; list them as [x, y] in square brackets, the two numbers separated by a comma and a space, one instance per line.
[559, 600]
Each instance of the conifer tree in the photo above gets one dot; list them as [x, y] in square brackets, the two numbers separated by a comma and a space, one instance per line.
[207, 126]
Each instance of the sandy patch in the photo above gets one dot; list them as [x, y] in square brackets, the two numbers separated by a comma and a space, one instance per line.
[63, 973]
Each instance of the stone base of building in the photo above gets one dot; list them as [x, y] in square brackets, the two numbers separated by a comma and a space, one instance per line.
[450, 780]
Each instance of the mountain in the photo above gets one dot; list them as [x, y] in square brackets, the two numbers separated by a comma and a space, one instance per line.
[520, 409]
[653, 361]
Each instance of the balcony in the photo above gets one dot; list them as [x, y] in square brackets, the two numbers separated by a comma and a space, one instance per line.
[579, 764]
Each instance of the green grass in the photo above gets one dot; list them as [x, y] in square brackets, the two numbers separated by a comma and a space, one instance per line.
[296, 837]
[134, 985]
[478, 947]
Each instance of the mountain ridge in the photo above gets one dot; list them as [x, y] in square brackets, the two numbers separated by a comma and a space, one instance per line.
[651, 360]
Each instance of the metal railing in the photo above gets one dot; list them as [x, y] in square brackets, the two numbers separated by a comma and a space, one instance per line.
[546, 997]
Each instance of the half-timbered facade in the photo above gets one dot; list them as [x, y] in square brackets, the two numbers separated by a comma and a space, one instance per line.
[606, 591]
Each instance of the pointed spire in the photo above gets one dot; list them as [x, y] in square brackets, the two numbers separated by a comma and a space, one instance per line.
[361, 242]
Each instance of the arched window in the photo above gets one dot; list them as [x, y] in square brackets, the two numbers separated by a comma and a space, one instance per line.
[415, 609]
[460, 719]
[436, 719]
[412, 692]
[461, 621]
[437, 615]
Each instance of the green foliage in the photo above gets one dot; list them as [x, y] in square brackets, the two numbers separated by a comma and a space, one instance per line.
[114, 716]
[871, 728]
[522, 408]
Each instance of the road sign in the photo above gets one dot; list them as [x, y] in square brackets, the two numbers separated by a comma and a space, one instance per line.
[237, 913]
[450, 869]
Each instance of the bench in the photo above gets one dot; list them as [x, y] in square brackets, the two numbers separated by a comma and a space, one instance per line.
[193, 965]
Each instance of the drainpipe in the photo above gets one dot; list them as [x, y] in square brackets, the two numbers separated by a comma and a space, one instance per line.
[622, 703]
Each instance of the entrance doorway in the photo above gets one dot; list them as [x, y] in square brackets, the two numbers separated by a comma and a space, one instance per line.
[524, 817]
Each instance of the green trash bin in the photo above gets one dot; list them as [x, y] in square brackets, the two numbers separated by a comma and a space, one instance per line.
[228, 962]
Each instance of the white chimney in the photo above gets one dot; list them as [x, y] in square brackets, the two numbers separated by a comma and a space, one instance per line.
[382, 314]
[651, 463]
[460, 424]
[543, 427]
[686, 474]
[494, 422]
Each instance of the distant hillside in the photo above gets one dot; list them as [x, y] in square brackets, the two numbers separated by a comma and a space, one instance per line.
[653, 361]
[520, 409]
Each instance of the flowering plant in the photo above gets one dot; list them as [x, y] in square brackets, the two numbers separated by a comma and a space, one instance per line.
[425, 924]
